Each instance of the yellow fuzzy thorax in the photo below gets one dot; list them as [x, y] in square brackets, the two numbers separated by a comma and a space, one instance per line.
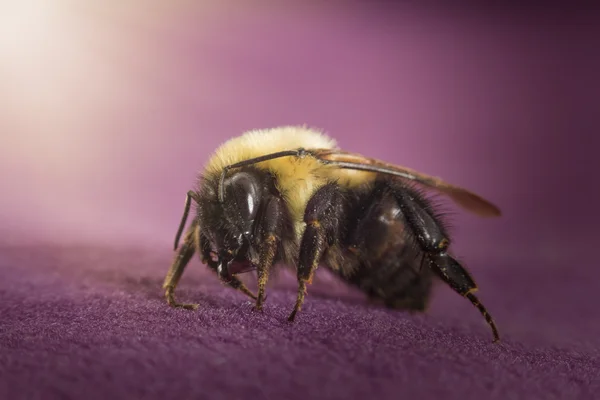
[297, 178]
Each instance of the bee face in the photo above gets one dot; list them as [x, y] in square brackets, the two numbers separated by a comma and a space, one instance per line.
[230, 225]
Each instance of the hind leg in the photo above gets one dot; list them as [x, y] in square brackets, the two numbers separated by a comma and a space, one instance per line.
[431, 237]
[394, 216]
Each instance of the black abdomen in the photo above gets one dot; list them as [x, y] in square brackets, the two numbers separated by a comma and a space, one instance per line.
[378, 256]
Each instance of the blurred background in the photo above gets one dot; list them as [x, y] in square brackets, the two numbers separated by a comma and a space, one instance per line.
[109, 109]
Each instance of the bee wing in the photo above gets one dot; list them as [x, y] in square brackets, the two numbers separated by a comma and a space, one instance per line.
[463, 197]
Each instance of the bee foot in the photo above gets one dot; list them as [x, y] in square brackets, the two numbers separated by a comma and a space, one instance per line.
[293, 315]
[185, 306]
[171, 301]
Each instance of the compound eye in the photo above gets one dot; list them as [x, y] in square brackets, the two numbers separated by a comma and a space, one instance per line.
[242, 191]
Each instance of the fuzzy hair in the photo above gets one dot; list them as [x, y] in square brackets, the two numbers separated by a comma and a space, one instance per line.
[297, 178]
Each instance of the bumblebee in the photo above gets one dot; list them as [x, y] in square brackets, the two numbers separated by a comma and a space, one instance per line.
[290, 195]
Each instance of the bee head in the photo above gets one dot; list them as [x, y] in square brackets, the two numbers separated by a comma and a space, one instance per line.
[230, 225]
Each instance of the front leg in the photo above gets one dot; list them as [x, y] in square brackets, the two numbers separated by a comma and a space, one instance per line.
[269, 234]
[193, 241]
[232, 281]
[182, 258]
[322, 216]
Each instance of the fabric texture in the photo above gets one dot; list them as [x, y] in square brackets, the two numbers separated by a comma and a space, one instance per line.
[90, 322]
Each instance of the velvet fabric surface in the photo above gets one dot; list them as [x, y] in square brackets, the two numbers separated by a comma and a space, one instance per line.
[88, 322]
[107, 113]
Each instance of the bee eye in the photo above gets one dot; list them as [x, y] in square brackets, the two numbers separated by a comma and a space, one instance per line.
[242, 192]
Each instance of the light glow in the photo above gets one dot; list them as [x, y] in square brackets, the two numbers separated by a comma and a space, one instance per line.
[23, 25]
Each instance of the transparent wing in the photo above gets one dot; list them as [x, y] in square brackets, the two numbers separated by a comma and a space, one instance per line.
[463, 197]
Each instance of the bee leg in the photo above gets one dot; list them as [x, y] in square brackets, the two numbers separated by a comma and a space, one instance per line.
[451, 272]
[431, 237]
[193, 240]
[267, 255]
[322, 217]
[237, 284]
[182, 258]
[271, 226]
[232, 281]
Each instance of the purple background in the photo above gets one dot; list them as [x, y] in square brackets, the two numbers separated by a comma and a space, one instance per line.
[106, 115]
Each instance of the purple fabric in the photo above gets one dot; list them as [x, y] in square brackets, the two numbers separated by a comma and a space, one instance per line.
[89, 321]
[98, 148]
